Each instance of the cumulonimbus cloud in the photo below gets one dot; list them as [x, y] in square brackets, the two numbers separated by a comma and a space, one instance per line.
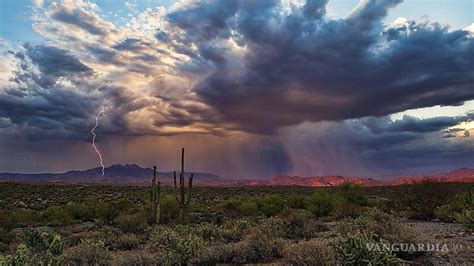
[214, 67]
[290, 67]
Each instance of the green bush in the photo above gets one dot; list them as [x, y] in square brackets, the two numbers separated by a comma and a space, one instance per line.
[466, 218]
[297, 202]
[462, 201]
[10, 219]
[132, 223]
[56, 215]
[271, 205]
[107, 211]
[240, 208]
[353, 194]
[169, 209]
[423, 197]
[457, 206]
[80, 211]
[322, 202]
[347, 210]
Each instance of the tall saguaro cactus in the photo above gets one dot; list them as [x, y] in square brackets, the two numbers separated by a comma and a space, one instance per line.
[155, 198]
[183, 202]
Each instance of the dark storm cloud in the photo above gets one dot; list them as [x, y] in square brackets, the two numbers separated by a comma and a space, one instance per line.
[416, 125]
[39, 106]
[55, 61]
[79, 18]
[379, 147]
[302, 66]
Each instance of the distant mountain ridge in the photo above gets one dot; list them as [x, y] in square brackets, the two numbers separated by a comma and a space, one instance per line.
[134, 174]
[117, 173]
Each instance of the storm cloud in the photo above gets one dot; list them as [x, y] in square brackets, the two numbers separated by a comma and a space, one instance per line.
[279, 87]
[294, 67]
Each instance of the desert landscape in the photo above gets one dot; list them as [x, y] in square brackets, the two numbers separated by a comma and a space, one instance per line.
[236, 132]
[283, 220]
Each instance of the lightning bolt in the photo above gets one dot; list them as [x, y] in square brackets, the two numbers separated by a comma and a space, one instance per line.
[93, 139]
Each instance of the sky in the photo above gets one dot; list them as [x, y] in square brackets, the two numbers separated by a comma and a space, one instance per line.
[251, 89]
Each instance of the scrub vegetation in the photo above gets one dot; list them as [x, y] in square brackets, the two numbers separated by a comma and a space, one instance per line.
[118, 225]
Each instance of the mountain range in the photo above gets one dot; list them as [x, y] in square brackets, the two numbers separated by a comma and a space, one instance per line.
[134, 174]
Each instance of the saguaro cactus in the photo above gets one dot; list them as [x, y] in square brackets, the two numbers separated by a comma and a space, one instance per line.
[181, 196]
[155, 198]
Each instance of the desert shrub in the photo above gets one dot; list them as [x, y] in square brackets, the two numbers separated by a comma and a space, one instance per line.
[106, 211]
[423, 197]
[174, 246]
[169, 209]
[273, 225]
[248, 208]
[461, 202]
[347, 210]
[132, 223]
[271, 205]
[91, 203]
[300, 224]
[260, 246]
[88, 252]
[322, 202]
[310, 252]
[382, 225]
[240, 208]
[20, 257]
[297, 202]
[466, 218]
[355, 249]
[25, 217]
[80, 211]
[135, 257]
[126, 242]
[210, 233]
[260, 243]
[10, 219]
[353, 194]
[231, 207]
[56, 215]
[6, 238]
[233, 230]
[115, 239]
[37, 247]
